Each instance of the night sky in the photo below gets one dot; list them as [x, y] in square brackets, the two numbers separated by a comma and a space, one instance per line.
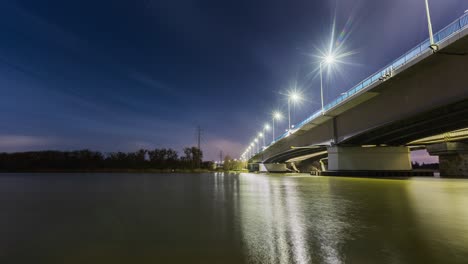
[123, 75]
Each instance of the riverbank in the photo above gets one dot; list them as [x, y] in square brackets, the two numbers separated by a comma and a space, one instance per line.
[155, 171]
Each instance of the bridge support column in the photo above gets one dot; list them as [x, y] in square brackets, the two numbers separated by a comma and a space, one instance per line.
[277, 167]
[453, 158]
[262, 167]
[253, 167]
[343, 159]
[310, 165]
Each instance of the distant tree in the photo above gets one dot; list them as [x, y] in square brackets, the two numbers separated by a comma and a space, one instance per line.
[117, 160]
[140, 158]
[163, 158]
[209, 165]
[172, 155]
[156, 158]
[90, 160]
[197, 156]
[415, 165]
[227, 163]
[230, 164]
[192, 157]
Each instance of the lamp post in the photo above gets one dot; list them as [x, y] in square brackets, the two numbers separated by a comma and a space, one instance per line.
[277, 116]
[292, 97]
[261, 136]
[256, 143]
[432, 45]
[321, 86]
[265, 128]
[329, 59]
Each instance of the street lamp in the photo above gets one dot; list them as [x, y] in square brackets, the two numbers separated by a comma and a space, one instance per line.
[266, 128]
[276, 116]
[256, 143]
[261, 135]
[329, 59]
[433, 45]
[294, 97]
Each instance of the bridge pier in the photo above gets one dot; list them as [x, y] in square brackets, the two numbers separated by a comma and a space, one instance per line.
[368, 159]
[453, 158]
[277, 167]
[268, 167]
[253, 167]
[310, 165]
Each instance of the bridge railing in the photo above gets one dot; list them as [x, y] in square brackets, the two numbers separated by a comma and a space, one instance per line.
[423, 47]
[439, 37]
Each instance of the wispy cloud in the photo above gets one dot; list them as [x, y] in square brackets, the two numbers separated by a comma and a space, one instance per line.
[11, 143]
[146, 80]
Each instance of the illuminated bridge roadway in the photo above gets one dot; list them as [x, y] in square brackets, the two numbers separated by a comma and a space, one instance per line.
[417, 101]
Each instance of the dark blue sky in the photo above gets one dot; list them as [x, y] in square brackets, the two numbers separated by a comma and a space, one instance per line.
[122, 75]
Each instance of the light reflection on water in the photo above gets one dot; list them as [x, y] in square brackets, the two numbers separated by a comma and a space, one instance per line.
[275, 212]
[307, 219]
[231, 218]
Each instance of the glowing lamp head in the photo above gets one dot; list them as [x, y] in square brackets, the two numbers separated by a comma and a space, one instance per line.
[256, 140]
[267, 127]
[260, 135]
[329, 59]
[294, 97]
[277, 116]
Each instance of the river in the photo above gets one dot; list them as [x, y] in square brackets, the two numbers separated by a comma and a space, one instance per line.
[231, 218]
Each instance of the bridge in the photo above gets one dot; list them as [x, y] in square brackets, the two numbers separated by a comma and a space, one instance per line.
[412, 103]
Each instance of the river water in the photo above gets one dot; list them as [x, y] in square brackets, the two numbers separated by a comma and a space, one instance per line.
[231, 218]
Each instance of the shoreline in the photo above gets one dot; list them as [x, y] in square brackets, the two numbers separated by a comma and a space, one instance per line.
[150, 171]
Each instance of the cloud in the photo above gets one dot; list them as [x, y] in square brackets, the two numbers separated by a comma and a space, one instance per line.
[11, 143]
[211, 149]
[146, 80]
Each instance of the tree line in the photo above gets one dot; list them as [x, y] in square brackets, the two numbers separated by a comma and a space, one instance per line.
[231, 164]
[430, 166]
[87, 160]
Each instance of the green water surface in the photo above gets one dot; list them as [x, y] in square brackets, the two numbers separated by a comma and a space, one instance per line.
[231, 218]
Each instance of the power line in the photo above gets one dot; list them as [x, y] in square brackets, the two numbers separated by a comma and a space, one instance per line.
[199, 135]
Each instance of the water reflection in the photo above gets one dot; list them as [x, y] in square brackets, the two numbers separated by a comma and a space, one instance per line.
[263, 220]
[281, 224]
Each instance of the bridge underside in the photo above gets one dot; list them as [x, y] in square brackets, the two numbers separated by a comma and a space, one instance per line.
[441, 120]
[441, 125]
[297, 154]
[419, 130]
